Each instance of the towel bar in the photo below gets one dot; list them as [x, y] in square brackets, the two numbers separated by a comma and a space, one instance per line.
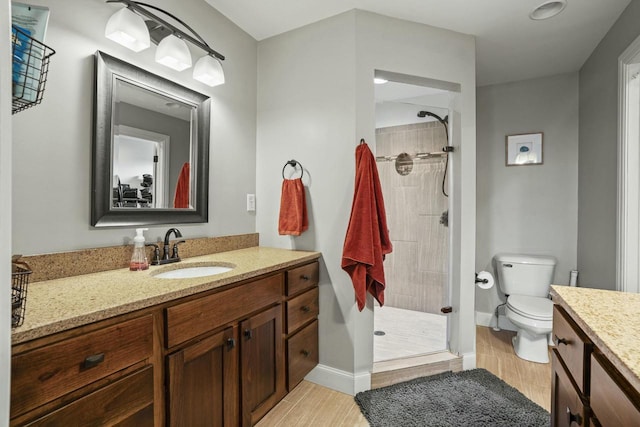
[293, 163]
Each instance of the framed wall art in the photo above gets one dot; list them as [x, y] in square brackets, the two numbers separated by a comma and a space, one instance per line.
[524, 149]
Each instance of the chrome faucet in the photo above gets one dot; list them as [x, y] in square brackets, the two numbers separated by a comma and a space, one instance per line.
[166, 256]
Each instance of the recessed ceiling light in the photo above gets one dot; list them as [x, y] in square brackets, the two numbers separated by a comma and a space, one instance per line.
[379, 80]
[548, 9]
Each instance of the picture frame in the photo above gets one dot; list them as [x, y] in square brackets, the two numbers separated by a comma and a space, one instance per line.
[524, 149]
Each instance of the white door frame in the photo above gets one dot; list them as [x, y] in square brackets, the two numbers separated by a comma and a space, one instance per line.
[628, 227]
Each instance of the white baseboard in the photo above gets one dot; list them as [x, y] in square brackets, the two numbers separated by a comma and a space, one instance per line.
[342, 381]
[469, 361]
[489, 320]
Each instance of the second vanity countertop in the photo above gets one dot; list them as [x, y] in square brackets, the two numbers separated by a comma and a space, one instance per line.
[57, 305]
[611, 320]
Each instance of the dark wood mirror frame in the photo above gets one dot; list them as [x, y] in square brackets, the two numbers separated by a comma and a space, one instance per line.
[108, 69]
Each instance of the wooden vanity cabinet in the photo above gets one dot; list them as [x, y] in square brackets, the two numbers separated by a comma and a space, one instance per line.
[587, 390]
[302, 309]
[87, 376]
[218, 358]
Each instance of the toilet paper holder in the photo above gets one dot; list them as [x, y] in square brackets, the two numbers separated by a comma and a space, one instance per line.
[481, 280]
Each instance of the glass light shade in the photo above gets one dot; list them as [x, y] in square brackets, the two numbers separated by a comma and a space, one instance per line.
[208, 70]
[128, 29]
[173, 53]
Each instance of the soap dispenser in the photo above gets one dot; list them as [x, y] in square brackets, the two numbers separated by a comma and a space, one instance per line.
[139, 260]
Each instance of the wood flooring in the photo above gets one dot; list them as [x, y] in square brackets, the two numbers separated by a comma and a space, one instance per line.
[311, 405]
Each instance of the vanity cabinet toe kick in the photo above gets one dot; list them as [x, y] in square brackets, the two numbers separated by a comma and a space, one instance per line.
[177, 363]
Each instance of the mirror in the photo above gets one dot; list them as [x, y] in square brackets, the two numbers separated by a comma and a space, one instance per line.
[150, 148]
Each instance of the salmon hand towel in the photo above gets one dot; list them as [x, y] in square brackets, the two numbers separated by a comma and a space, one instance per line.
[367, 240]
[181, 199]
[293, 208]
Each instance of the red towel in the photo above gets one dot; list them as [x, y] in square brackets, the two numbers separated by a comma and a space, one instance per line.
[293, 208]
[367, 240]
[181, 199]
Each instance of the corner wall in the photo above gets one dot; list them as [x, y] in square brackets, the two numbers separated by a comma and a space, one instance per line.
[52, 141]
[597, 170]
[527, 209]
[315, 102]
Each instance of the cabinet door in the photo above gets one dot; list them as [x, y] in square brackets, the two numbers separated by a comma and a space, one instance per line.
[566, 407]
[203, 382]
[262, 361]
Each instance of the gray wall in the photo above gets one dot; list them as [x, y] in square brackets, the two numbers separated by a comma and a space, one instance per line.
[315, 101]
[597, 172]
[52, 142]
[527, 209]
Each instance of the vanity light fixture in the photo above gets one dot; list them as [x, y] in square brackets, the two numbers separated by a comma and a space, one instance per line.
[135, 26]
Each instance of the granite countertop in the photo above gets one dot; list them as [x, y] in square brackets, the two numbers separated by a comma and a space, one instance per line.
[611, 320]
[61, 304]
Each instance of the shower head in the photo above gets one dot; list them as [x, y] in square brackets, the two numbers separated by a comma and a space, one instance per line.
[423, 114]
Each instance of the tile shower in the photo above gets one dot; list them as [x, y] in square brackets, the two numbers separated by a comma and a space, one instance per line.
[416, 271]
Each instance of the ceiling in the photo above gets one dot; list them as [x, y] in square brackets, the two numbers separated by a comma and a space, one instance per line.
[509, 45]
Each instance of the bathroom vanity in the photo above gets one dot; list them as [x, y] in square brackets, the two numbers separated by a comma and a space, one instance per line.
[596, 362]
[126, 348]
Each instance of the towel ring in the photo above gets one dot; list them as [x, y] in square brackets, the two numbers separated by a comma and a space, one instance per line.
[293, 163]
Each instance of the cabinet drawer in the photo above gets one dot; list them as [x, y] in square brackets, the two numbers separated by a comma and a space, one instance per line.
[302, 309]
[566, 406]
[610, 403]
[193, 318]
[126, 402]
[46, 373]
[301, 278]
[573, 346]
[302, 354]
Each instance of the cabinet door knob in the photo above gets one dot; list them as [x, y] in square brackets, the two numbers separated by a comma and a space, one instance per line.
[573, 418]
[305, 308]
[93, 360]
[304, 277]
[305, 353]
[231, 343]
[561, 340]
[248, 334]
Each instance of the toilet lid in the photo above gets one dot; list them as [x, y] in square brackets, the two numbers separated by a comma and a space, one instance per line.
[534, 307]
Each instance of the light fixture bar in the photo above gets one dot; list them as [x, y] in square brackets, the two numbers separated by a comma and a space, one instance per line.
[139, 8]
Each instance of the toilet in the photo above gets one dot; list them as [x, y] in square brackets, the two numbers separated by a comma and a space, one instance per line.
[525, 280]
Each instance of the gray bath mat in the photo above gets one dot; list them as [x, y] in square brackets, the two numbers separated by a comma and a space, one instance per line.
[468, 398]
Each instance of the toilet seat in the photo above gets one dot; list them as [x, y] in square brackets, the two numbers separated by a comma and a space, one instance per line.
[535, 308]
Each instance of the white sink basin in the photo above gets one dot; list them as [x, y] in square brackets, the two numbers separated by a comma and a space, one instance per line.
[190, 272]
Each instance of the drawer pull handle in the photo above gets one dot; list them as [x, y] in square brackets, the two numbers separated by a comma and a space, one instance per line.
[231, 343]
[305, 277]
[562, 340]
[305, 308]
[305, 353]
[573, 418]
[94, 360]
[248, 334]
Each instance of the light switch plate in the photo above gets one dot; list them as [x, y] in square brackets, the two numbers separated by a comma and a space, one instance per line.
[251, 202]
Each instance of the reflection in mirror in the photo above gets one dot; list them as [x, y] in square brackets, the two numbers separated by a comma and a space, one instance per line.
[150, 148]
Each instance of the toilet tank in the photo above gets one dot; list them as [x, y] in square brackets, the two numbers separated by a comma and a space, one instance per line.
[525, 274]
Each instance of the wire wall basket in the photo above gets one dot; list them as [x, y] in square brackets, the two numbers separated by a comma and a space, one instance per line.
[30, 69]
[19, 284]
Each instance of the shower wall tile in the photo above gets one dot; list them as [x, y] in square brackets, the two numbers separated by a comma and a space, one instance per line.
[403, 209]
[434, 246]
[432, 202]
[416, 270]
